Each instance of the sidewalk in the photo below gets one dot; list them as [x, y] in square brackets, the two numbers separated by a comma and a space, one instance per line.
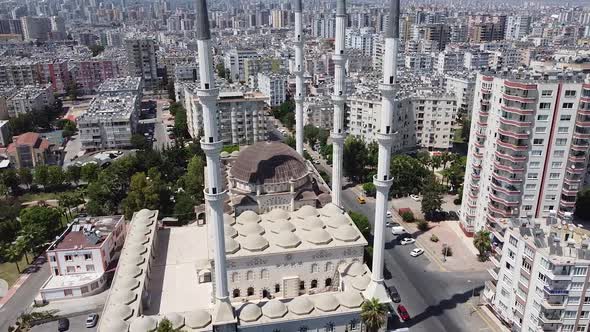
[19, 282]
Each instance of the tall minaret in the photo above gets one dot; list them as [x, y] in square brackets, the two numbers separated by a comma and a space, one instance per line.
[211, 145]
[339, 98]
[382, 180]
[299, 83]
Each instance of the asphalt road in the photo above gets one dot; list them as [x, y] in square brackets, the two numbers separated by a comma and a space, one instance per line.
[77, 324]
[23, 298]
[161, 139]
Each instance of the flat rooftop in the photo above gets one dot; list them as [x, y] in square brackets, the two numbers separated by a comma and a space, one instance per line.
[88, 232]
[71, 280]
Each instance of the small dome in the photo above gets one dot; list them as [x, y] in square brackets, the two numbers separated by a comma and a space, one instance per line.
[135, 249]
[361, 282]
[127, 283]
[282, 226]
[132, 259]
[301, 305]
[119, 312]
[176, 320]
[197, 319]
[248, 217]
[254, 243]
[312, 223]
[306, 211]
[336, 221]
[115, 325]
[350, 299]
[143, 324]
[231, 246]
[230, 231]
[318, 236]
[224, 154]
[235, 153]
[277, 214]
[138, 238]
[144, 215]
[325, 302]
[140, 228]
[287, 240]
[122, 296]
[355, 269]
[346, 233]
[274, 309]
[228, 219]
[251, 229]
[250, 312]
[330, 209]
[130, 270]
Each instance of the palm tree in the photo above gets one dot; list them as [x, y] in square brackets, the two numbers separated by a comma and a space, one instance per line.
[373, 314]
[14, 253]
[483, 243]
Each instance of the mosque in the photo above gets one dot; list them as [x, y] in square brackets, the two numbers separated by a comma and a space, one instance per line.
[273, 253]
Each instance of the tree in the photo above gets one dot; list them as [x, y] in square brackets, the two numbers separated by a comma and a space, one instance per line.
[354, 158]
[56, 176]
[193, 182]
[361, 222]
[171, 90]
[73, 173]
[220, 70]
[144, 193]
[10, 180]
[369, 189]
[583, 204]
[311, 133]
[89, 172]
[407, 216]
[372, 155]
[431, 197]
[166, 326]
[42, 224]
[466, 129]
[483, 244]
[96, 49]
[290, 141]
[184, 208]
[21, 124]
[408, 175]
[13, 254]
[69, 129]
[72, 90]
[423, 225]
[41, 175]
[139, 142]
[25, 177]
[373, 314]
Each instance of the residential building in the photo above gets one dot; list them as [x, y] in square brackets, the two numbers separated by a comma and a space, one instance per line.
[540, 276]
[486, 28]
[462, 85]
[528, 149]
[449, 61]
[419, 62]
[318, 111]
[30, 98]
[436, 32]
[36, 28]
[89, 73]
[476, 60]
[142, 61]
[242, 118]
[5, 93]
[361, 39]
[273, 85]
[518, 27]
[81, 258]
[186, 71]
[434, 117]
[29, 150]
[235, 59]
[110, 121]
[5, 135]
[116, 86]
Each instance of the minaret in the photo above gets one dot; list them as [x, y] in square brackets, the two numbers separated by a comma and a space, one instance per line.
[299, 83]
[211, 145]
[382, 180]
[339, 98]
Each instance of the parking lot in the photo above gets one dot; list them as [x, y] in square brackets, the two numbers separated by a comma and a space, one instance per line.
[77, 324]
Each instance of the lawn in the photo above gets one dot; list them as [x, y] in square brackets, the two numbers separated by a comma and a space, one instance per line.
[41, 196]
[9, 272]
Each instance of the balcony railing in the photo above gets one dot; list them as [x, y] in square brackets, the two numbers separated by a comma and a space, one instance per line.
[555, 291]
[519, 145]
[515, 122]
[494, 272]
[514, 157]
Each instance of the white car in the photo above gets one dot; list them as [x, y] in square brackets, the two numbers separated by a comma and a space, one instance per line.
[397, 229]
[407, 240]
[416, 252]
[389, 215]
[415, 197]
[91, 320]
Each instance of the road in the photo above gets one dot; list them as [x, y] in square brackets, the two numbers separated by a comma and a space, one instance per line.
[161, 139]
[24, 296]
[77, 324]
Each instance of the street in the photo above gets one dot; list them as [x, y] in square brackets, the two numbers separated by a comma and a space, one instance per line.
[161, 139]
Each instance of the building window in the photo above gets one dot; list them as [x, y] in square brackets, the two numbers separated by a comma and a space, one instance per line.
[328, 282]
[68, 258]
[567, 105]
[577, 285]
[580, 271]
[546, 93]
[354, 325]
[329, 327]
[542, 117]
[87, 256]
[68, 292]
[236, 293]
[570, 93]
[563, 130]
[329, 267]
[314, 268]
[94, 285]
[556, 164]
[569, 314]
[277, 288]
[540, 130]
[249, 275]
[554, 175]
[538, 141]
[70, 269]
[513, 241]
[89, 268]
[235, 277]
[528, 207]
[544, 106]
[533, 176]
[537, 152]
[303, 329]
[52, 258]
[558, 153]
[302, 285]
[264, 274]
[561, 141]
[250, 291]
[582, 328]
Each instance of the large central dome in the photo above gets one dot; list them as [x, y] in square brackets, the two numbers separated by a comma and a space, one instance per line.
[268, 162]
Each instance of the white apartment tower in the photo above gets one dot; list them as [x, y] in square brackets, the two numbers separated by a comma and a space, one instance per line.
[540, 279]
[273, 86]
[528, 149]
[517, 27]
[141, 60]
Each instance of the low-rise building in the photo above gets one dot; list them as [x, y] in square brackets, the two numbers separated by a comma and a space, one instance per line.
[30, 98]
[81, 258]
[30, 150]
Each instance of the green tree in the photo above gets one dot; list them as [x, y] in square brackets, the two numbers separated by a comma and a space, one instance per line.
[369, 189]
[290, 141]
[220, 69]
[73, 173]
[25, 177]
[583, 204]
[41, 175]
[21, 124]
[372, 155]
[166, 326]
[42, 224]
[10, 180]
[431, 197]
[373, 314]
[423, 225]
[171, 90]
[193, 182]
[13, 254]
[408, 175]
[89, 172]
[466, 129]
[184, 208]
[311, 133]
[69, 129]
[139, 142]
[144, 193]
[362, 223]
[56, 176]
[355, 158]
[483, 244]
[96, 49]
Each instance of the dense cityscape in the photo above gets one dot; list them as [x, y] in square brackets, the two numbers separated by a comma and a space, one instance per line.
[294, 165]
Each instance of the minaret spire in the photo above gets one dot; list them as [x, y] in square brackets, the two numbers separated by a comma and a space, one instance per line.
[339, 99]
[299, 83]
[215, 193]
[382, 180]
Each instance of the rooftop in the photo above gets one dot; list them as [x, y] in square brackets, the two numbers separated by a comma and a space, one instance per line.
[122, 106]
[87, 232]
[120, 84]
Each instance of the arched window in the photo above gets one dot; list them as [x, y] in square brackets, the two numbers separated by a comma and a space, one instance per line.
[264, 274]
[250, 291]
[265, 294]
[277, 288]
[329, 267]
[236, 293]
[314, 283]
[302, 285]
[235, 277]
[328, 282]
[314, 268]
[249, 275]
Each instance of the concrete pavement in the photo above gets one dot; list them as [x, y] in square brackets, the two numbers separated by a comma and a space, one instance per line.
[161, 139]
[77, 324]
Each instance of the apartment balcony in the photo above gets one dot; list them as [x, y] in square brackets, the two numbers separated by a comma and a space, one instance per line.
[495, 259]
[514, 145]
[567, 204]
[482, 123]
[519, 99]
[508, 168]
[505, 200]
[517, 110]
[550, 318]
[491, 285]
[577, 156]
[499, 212]
[514, 122]
[569, 192]
[555, 291]
[514, 134]
[508, 191]
[553, 305]
[509, 178]
[514, 157]
[494, 272]
[480, 134]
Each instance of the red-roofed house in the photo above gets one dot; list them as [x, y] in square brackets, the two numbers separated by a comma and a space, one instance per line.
[30, 149]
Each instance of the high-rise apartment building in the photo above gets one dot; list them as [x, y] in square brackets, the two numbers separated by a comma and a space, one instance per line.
[462, 85]
[36, 28]
[486, 28]
[273, 86]
[517, 27]
[540, 275]
[528, 149]
[236, 61]
[142, 61]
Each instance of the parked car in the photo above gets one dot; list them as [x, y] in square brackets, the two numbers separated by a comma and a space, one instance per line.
[416, 252]
[397, 229]
[389, 215]
[63, 324]
[394, 294]
[361, 200]
[407, 240]
[91, 320]
[415, 197]
[403, 313]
